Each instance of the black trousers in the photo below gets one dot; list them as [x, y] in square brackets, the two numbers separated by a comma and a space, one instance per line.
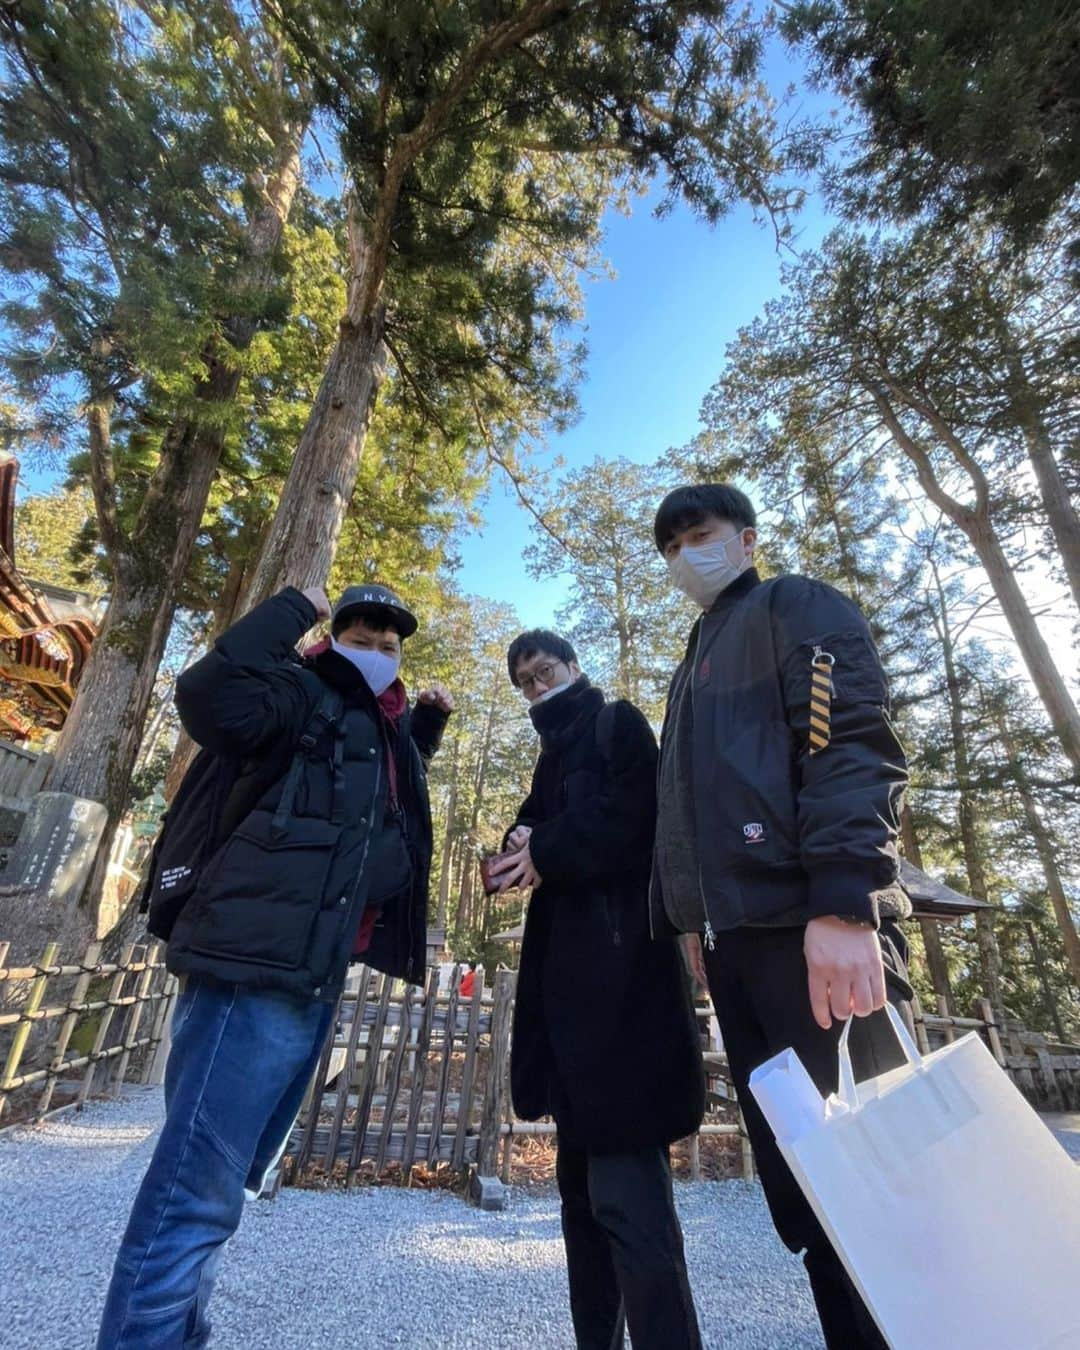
[624, 1251]
[758, 983]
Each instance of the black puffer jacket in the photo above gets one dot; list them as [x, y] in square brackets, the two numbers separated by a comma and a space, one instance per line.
[280, 909]
[604, 1033]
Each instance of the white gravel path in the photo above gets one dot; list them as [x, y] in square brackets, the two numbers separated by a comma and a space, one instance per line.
[379, 1267]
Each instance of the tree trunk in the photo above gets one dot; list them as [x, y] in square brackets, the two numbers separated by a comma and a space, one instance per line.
[1063, 520]
[1044, 846]
[1025, 404]
[968, 811]
[185, 750]
[303, 538]
[976, 524]
[1044, 981]
[1033, 649]
[99, 744]
[624, 681]
[929, 928]
[448, 839]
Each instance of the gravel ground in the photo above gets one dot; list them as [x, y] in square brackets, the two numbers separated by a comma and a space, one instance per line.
[1066, 1125]
[424, 1269]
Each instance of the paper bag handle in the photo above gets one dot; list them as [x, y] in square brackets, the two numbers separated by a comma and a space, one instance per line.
[848, 1091]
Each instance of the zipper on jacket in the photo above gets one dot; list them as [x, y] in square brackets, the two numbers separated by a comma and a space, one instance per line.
[363, 857]
[710, 936]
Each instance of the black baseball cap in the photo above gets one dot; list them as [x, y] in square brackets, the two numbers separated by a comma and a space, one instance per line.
[357, 601]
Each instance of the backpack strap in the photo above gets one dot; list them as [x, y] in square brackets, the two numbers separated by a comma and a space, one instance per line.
[327, 715]
[605, 733]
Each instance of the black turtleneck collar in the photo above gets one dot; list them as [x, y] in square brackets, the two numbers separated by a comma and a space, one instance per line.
[561, 719]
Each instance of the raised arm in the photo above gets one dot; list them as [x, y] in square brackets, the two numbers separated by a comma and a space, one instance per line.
[246, 692]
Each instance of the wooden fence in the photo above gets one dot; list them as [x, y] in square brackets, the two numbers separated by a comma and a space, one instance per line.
[61, 1038]
[421, 1077]
[22, 773]
[1046, 1073]
[407, 1078]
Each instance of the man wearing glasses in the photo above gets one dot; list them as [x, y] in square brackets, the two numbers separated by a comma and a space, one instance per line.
[604, 1033]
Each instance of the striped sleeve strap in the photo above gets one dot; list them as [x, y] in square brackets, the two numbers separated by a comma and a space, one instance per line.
[821, 693]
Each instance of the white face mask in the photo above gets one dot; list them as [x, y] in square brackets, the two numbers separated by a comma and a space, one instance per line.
[703, 572]
[550, 693]
[379, 669]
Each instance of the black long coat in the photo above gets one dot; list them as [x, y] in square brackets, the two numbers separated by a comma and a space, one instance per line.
[604, 1034]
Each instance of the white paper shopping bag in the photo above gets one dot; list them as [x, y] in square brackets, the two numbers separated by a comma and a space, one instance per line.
[954, 1209]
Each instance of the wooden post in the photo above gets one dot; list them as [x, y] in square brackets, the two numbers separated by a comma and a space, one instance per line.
[921, 1038]
[435, 1143]
[393, 1078]
[944, 1011]
[346, 1076]
[67, 1026]
[142, 990]
[472, 1038]
[154, 1069]
[986, 1012]
[366, 1088]
[419, 1078]
[315, 1092]
[106, 1020]
[22, 1031]
[498, 1065]
[695, 1157]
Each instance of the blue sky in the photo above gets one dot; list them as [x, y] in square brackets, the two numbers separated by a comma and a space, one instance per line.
[656, 336]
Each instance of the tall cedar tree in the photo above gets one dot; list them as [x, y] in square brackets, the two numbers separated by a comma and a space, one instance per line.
[442, 118]
[965, 109]
[148, 158]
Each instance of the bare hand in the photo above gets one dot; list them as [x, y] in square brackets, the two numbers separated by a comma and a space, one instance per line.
[317, 596]
[518, 837]
[690, 945]
[517, 871]
[439, 695]
[845, 970]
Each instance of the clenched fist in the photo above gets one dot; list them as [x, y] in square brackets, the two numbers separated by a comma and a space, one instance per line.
[439, 695]
[317, 596]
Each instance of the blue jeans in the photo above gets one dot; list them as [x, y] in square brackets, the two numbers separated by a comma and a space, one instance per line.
[240, 1063]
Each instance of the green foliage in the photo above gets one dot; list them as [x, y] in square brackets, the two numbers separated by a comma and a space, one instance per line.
[123, 179]
[49, 529]
[966, 109]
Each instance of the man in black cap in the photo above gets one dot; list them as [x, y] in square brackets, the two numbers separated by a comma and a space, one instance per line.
[301, 840]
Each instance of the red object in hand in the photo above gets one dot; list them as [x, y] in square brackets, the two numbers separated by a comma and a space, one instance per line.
[491, 883]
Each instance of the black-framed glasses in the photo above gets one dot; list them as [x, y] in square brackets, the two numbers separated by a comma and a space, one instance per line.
[543, 674]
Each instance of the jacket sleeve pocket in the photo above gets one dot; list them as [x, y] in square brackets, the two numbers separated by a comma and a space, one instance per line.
[857, 676]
